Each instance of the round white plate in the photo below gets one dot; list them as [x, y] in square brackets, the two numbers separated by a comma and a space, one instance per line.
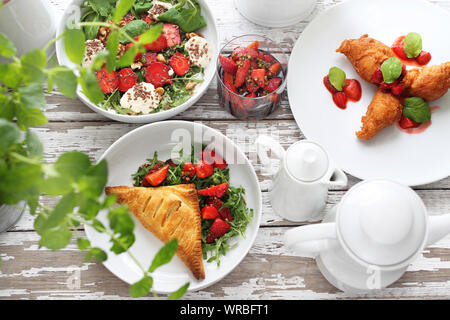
[411, 159]
[210, 32]
[126, 155]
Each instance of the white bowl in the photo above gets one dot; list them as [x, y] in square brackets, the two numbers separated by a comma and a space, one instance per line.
[210, 32]
[124, 157]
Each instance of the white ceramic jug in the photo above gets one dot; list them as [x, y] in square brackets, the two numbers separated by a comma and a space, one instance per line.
[300, 186]
[367, 241]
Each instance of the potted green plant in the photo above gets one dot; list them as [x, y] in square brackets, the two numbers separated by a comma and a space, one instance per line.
[72, 179]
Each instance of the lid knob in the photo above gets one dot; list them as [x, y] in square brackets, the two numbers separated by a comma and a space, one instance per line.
[306, 161]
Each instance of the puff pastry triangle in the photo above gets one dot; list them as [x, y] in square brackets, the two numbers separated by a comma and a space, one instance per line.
[169, 212]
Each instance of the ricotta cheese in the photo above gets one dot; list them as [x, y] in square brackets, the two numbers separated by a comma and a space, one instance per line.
[93, 48]
[198, 49]
[141, 98]
[158, 8]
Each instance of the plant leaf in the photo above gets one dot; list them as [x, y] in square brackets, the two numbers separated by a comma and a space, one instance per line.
[56, 238]
[152, 34]
[96, 253]
[66, 81]
[73, 164]
[74, 44]
[122, 7]
[164, 255]
[34, 145]
[337, 78]
[9, 134]
[179, 293]
[7, 48]
[83, 244]
[29, 117]
[142, 287]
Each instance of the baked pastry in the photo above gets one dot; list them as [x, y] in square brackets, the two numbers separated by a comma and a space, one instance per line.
[384, 110]
[366, 55]
[169, 212]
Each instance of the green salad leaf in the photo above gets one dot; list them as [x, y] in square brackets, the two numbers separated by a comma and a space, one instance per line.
[188, 18]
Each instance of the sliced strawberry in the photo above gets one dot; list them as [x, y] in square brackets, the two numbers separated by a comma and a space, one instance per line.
[209, 212]
[398, 89]
[179, 63]
[250, 103]
[244, 52]
[273, 84]
[251, 86]
[352, 89]
[108, 81]
[258, 77]
[400, 51]
[254, 45]
[228, 64]
[387, 87]
[268, 58]
[189, 170]
[377, 76]
[149, 57]
[211, 157]
[423, 58]
[157, 177]
[215, 202]
[274, 69]
[340, 99]
[407, 123]
[218, 229]
[172, 33]
[138, 55]
[228, 81]
[329, 86]
[157, 73]
[147, 19]
[225, 214]
[158, 45]
[242, 73]
[215, 191]
[203, 169]
[127, 79]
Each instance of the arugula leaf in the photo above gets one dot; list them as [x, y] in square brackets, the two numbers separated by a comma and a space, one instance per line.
[122, 7]
[164, 255]
[188, 19]
[142, 287]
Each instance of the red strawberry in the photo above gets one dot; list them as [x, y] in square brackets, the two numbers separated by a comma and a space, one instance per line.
[242, 73]
[340, 99]
[407, 123]
[228, 64]
[157, 73]
[352, 89]
[258, 76]
[387, 87]
[127, 79]
[179, 63]
[147, 18]
[108, 81]
[211, 157]
[423, 58]
[228, 81]
[274, 69]
[189, 169]
[250, 103]
[254, 45]
[400, 51]
[138, 55]
[251, 86]
[240, 52]
[203, 169]
[398, 89]
[157, 177]
[268, 58]
[224, 212]
[210, 212]
[149, 57]
[377, 76]
[172, 33]
[273, 84]
[215, 191]
[158, 45]
[218, 229]
[329, 86]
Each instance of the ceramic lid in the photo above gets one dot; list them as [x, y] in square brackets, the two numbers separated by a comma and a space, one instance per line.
[382, 222]
[306, 161]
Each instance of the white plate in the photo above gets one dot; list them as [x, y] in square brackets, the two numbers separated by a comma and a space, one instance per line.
[409, 159]
[126, 155]
[210, 32]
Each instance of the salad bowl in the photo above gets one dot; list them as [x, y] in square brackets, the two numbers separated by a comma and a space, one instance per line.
[73, 13]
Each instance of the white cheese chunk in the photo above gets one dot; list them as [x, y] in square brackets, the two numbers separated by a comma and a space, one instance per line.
[199, 52]
[142, 97]
[93, 48]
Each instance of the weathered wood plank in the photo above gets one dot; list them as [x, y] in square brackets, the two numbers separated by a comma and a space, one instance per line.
[268, 272]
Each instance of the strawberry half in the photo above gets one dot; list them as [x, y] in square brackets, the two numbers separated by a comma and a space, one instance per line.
[158, 45]
[214, 191]
[127, 79]
[225, 212]
[254, 45]
[203, 169]
[179, 63]
[242, 73]
[352, 89]
[273, 84]
[209, 212]
[258, 77]
[407, 123]
[172, 33]
[274, 69]
[157, 73]
[245, 52]
[340, 99]
[157, 177]
[108, 81]
[228, 65]
[423, 58]
[189, 170]
[149, 57]
[211, 157]
[218, 229]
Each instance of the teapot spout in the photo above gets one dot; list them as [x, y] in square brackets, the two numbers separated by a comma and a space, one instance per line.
[439, 227]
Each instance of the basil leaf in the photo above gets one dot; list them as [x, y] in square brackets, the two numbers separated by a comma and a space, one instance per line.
[412, 45]
[133, 29]
[7, 48]
[188, 19]
[337, 78]
[391, 69]
[179, 293]
[74, 44]
[10, 135]
[122, 7]
[142, 287]
[164, 255]
[417, 109]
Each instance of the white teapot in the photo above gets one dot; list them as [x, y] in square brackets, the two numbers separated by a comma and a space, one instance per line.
[367, 241]
[300, 186]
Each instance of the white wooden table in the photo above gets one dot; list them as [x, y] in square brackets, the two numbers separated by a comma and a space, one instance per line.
[269, 271]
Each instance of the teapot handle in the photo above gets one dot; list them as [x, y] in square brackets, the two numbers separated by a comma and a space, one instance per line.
[263, 145]
[308, 241]
[339, 179]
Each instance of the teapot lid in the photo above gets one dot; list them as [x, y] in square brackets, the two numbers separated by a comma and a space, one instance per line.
[306, 161]
[382, 222]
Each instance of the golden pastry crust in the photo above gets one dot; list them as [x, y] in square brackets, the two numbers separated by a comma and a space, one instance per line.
[366, 55]
[169, 212]
[429, 83]
[384, 110]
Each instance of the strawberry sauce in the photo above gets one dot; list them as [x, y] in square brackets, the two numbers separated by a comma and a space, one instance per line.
[422, 127]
